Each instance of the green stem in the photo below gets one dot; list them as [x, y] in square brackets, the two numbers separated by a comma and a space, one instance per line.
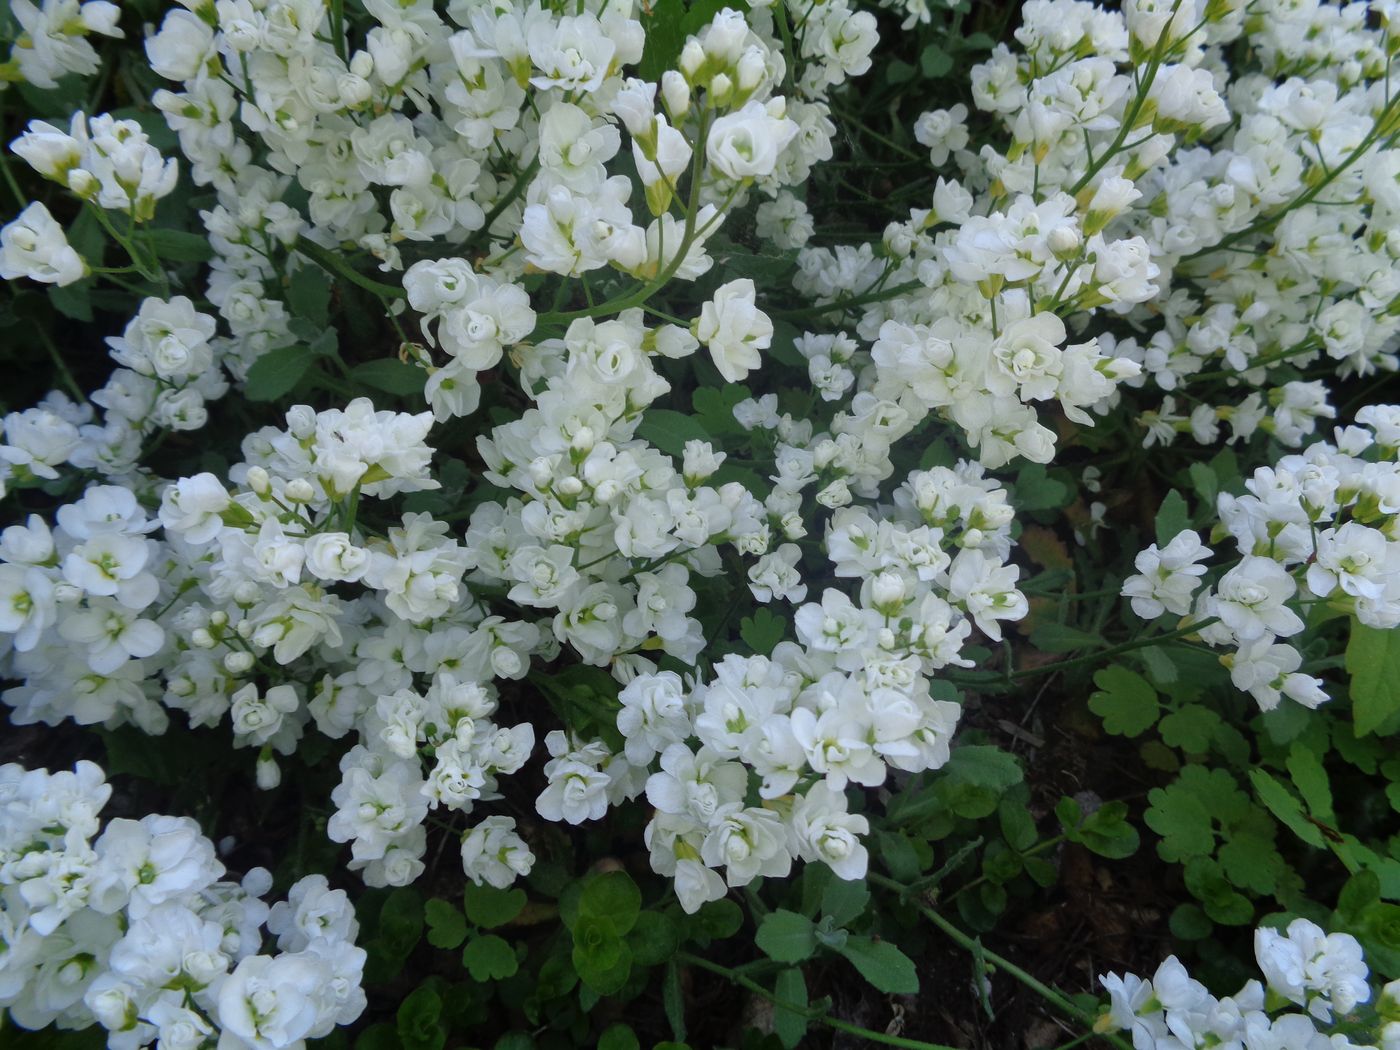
[338, 28]
[516, 189]
[1117, 650]
[996, 961]
[334, 264]
[820, 1016]
[853, 301]
[63, 373]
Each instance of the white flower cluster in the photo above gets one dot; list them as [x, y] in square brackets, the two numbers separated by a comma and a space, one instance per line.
[1313, 983]
[1319, 526]
[53, 39]
[131, 926]
[1240, 227]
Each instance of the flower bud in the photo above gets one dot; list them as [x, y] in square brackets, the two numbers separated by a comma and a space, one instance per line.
[259, 481]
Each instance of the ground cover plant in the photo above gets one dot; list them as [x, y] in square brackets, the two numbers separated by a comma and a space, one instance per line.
[691, 524]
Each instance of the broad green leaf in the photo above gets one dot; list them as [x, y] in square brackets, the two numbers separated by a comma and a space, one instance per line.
[1036, 490]
[614, 896]
[1172, 518]
[401, 920]
[1190, 728]
[882, 964]
[843, 901]
[669, 430]
[934, 62]
[489, 907]
[1373, 661]
[390, 375]
[276, 372]
[762, 631]
[309, 294]
[618, 1037]
[654, 938]
[1126, 701]
[447, 926]
[179, 245]
[489, 958]
[417, 1020]
[786, 936]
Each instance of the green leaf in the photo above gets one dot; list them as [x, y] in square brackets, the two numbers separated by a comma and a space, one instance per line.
[897, 72]
[401, 920]
[762, 631]
[489, 958]
[1373, 661]
[1172, 518]
[1106, 831]
[654, 939]
[618, 1037]
[73, 300]
[1190, 728]
[1284, 806]
[786, 936]
[1182, 820]
[882, 964]
[934, 62]
[309, 294]
[673, 1000]
[277, 372]
[390, 375]
[1036, 490]
[490, 907]
[844, 901]
[1205, 482]
[178, 245]
[417, 1020]
[1222, 903]
[1062, 638]
[614, 896]
[1189, 923]
[447, 926]
[715, 408]
[790, 987]
[1126, 701]
[669, 430]
[716, 920]
[1310, 778]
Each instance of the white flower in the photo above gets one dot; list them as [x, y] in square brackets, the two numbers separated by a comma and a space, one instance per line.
[734, 329]
[35, 246]
[493, 853]
[746, 144]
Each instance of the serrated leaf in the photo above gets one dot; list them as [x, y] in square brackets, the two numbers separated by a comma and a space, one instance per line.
[1182, 820]
[390, 375]
[489, 958]
[1126, 701]
[1373, 661]
[882, 964]
[447, 926]
[1190, 728]
[277, 372]
[1172, 518]
[762, 631]
[785, 936]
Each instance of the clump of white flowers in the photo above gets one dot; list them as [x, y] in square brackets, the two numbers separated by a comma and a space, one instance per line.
[1314, 981]
[1318, 527]
[131, 925]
